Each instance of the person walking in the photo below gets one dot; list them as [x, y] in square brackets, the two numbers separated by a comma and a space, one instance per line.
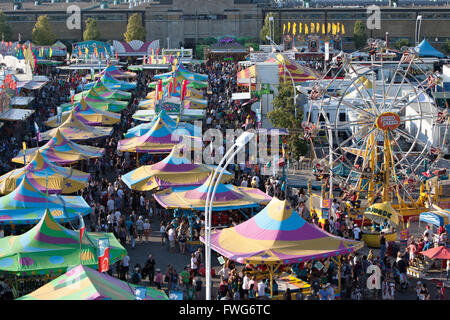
[132, 230]
[140, 227]
[147, 229]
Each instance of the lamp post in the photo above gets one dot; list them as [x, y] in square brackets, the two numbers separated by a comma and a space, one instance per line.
[241, 141]
[292, 79]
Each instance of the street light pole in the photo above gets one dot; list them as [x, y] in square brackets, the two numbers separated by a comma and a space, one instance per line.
[240, 143]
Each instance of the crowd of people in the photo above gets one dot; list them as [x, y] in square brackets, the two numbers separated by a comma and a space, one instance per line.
[129, 214]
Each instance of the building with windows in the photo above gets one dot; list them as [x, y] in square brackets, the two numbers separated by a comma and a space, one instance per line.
[187, 23]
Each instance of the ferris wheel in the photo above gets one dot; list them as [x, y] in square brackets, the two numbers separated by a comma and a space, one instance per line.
[377, 124]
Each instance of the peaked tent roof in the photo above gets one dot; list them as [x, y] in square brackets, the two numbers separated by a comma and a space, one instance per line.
[116, 72]
[158, 139]
[227, 197]
[74, 129]
[45, 176]
[84, 283]
[425, 49]
[173, 171]
[49, 248]
[100, 102]
[100, 89]
[61, 150]
[26, 203]
[143, 128]
[278, 235]
[86, 114]
[110, 82]
[299, 73]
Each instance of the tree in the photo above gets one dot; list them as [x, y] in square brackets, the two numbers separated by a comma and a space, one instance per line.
[42, 32]
[283, 116]
[447, 46]
[5, 29]
[359, 35]
[402, 43]
[91, 32]
[135, 29]
[266, 29]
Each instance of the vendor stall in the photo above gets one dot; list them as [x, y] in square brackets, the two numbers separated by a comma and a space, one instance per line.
[278, 236]
[384, 220]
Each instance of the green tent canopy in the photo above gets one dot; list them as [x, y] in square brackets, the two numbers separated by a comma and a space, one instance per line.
[50, 248]
[104, 92]
[84, 283]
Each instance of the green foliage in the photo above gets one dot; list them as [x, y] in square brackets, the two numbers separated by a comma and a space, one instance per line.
[265, 30]
[135, 29]
[199, 51]
[283, 116]
[91, 32]
[359, 34]
[254, 45]
[208, 41]
[402, 43]
[447, 46]
[5, 29]
[42, 32]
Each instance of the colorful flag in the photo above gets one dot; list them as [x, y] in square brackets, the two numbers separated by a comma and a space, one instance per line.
[103, 255]
[313, 26]
[294, 28]
[170, 89]
[299, 27]
[183, 90]
[284, 28]
[82, 227]
[289, 27]
[24, 146]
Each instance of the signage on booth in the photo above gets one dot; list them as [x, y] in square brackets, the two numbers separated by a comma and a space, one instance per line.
[388, 121]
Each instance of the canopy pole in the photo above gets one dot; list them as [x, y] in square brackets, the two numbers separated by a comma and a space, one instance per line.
[338, 262]
[137, 159]
[271, 280]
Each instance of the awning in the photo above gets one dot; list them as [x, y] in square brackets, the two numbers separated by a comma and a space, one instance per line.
[240, 96]
[16, 114]
[21, 101]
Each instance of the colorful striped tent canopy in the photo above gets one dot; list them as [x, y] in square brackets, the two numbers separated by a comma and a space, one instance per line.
[86, 114]
[99, 102]
[278, 235]
[84, 283]
[26, 204]
[45, 176]
[110, 82]
[159, 139]
[173, 171]
[60, 150]
[74, 129]
[227, 197]
[143, 128]
[190, 92]
[299, 73]
[116, 72]
[100, 89]
[49, 248]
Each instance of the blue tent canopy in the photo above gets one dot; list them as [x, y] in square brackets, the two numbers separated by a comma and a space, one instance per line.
[425, 49]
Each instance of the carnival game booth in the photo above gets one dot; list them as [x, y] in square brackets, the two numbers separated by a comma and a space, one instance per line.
[161, 138]
[227, 197]
[173, 171]
[143, 128]
[74, 129]
[436, 219]
[86, 114]
[277, 236]
[84, 283]
[299, 73]
[26, 204]
[45, 176]
[48, 250]
[60, 150]
[385, 219]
